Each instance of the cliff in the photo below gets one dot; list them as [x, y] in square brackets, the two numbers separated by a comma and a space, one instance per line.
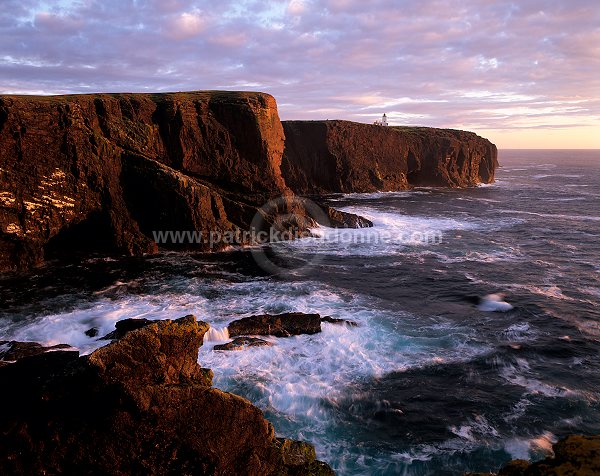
[341, 156]
[104, 172]
[140, 405]
[101, 172]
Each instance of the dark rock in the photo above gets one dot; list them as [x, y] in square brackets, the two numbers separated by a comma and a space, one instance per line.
[125, 326]
[280, 325]
[574, 455]
[241, 343]
[339, 219]
[342, 156]
[11, 351]
[301, 460]
[140, 405]
[93, 332]
[333, 320]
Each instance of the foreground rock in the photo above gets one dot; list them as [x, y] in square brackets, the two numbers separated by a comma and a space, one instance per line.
[140, 405]
[573, 456]
[341, 156]
[279, 325]
[124, 326]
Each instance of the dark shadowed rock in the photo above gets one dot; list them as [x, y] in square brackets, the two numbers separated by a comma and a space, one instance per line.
[13, 350]
[241, 343]
[342, 156]
[339, 219]
[280, 325]
[140, 405]
[124, 326]
[92, 332]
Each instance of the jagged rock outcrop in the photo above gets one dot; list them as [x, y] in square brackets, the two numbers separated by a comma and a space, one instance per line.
[342, 156]
[140, 405]
[278, 325]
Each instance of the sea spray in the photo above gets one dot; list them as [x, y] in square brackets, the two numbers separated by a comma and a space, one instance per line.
[216, 334]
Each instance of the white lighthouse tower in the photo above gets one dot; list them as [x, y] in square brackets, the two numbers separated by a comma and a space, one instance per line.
[383, 121]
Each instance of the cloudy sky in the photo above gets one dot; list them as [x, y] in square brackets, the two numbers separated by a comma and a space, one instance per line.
[523, 73]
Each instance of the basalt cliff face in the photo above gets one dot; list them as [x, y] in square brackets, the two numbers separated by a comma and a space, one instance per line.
[102, 172]
[341, 156]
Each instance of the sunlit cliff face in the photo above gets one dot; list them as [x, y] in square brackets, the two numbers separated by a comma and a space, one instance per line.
[523, 73]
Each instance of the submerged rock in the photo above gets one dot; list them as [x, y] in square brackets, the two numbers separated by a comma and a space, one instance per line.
[280, 325]
[92, 332]
[241, 343]
[139, 405]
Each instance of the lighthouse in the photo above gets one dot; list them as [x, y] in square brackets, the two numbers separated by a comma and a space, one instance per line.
[383, 121]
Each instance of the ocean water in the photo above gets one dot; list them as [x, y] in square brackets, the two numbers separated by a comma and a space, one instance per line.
[434, 380]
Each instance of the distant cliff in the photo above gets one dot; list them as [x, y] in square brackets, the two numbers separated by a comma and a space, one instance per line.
[342, 156]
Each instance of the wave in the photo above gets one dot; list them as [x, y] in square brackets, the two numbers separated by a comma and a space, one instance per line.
[391, 234]
[553, 215]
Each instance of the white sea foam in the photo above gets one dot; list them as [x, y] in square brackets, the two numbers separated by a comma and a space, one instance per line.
[561, 176]
[519, 373]
[382, 195]
[519, 332]
[216, 334]
[525, 448]
[391, 234]
[494, 303]
[553, 215]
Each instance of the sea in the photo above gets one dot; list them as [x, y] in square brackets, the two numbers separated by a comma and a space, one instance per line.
[478, 336]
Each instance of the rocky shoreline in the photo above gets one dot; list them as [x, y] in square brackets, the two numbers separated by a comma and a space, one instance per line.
[143, 404]
[139, 405]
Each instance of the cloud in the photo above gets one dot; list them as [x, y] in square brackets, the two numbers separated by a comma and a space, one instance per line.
[186, 25]
[484, 64]
[296, 7]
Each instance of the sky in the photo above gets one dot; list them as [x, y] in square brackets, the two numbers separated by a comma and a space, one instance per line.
[524, 74]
